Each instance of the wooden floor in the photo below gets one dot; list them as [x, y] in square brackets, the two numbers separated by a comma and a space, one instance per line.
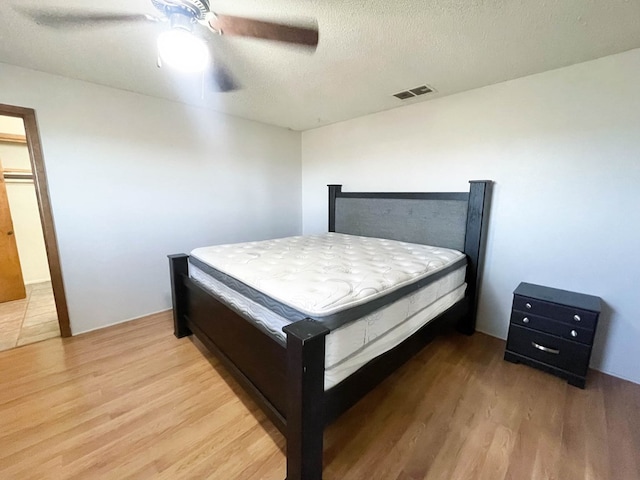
[132, 401]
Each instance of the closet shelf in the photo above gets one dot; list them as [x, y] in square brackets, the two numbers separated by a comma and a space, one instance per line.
[12, 138]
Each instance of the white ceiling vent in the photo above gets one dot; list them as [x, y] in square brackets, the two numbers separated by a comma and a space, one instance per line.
[414, 92]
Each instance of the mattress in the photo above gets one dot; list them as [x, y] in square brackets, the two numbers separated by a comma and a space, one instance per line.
[372, 293]
[326, 275]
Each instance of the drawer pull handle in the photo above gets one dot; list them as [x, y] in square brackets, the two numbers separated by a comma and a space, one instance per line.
[545, 349]
[577, 318]
[528, 305]
[574, 333]
[525, 320]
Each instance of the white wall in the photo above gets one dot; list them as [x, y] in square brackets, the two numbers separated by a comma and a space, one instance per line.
[24, 207]
[134, 178]
[564, 150]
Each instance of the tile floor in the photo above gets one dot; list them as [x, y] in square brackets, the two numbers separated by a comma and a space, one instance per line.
[29, 320]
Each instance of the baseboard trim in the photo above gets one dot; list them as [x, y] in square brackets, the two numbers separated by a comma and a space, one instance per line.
[74, 333]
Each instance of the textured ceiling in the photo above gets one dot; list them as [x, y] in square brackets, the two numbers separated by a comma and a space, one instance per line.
[368, 50]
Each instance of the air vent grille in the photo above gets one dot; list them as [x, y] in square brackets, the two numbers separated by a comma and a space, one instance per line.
[414, 92]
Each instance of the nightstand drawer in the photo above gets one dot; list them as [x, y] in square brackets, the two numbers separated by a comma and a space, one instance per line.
[549, 349]
[546, 325]
[570, 315]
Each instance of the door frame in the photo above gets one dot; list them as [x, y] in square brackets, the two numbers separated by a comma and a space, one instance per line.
[34, 145]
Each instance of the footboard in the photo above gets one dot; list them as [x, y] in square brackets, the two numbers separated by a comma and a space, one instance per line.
[287, 382]
[256, 360]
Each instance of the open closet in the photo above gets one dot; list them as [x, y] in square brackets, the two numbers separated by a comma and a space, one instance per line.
[28, 311]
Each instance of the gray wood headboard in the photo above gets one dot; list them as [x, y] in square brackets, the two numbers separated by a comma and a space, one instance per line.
[455, 220]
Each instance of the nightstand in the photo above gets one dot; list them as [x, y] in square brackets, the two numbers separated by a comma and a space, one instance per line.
[553, 330]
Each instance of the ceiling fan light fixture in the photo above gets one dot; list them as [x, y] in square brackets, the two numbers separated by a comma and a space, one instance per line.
[180, 49]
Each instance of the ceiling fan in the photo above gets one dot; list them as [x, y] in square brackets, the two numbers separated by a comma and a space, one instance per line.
[181, 44]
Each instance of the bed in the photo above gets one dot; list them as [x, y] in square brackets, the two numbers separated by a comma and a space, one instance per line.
[307, 345]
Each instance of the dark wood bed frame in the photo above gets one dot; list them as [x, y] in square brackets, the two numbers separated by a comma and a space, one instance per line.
[288, 381]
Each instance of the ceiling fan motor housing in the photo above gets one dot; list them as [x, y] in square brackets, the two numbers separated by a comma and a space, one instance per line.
[193, 9]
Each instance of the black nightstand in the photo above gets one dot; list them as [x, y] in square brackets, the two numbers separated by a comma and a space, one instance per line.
[553, 330]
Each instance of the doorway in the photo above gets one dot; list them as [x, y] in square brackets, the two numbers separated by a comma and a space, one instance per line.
[32, 298]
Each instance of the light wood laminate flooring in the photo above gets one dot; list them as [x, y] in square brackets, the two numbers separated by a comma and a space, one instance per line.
[132, 401]
[29, 320]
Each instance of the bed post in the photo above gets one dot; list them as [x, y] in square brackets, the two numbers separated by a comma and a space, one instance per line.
[305, 399]
[179, 268]
[334, 190]
[477, 214]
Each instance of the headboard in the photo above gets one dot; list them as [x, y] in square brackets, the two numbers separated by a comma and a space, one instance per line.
[455, 220]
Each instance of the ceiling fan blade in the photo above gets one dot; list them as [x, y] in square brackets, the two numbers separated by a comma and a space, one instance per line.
[222, 80]
[55, 19]
[218, 78]
[247, 27]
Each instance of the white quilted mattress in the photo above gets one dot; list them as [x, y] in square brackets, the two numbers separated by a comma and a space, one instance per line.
[320, 275]
[354, 344]
[358, 269]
